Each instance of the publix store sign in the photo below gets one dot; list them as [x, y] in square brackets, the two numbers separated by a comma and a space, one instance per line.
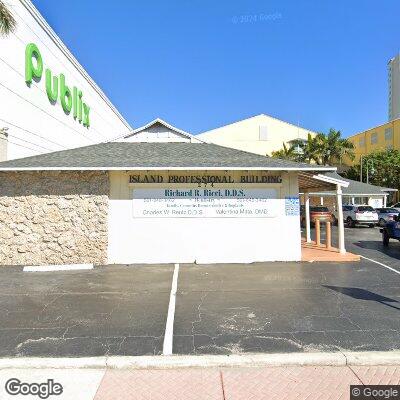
[56, 87]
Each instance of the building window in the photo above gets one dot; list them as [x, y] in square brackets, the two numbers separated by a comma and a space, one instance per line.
[263, 132]
[361, 141]
[389, 147]
[374, 138]
[388, 134]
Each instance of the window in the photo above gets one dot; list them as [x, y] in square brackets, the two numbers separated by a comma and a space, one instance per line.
[388, 134]
[361, 141]
[389, 147]
[163, 135]
[365, 208]
[374, 138]
[263, 132]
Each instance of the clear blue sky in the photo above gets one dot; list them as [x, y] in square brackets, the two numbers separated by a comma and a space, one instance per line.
[203, 64]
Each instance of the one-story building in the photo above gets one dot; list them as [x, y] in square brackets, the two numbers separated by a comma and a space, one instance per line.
[355, 193]
[154, 202]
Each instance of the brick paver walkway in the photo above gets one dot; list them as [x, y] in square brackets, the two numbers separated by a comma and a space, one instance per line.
[312, 252]
[242, 383]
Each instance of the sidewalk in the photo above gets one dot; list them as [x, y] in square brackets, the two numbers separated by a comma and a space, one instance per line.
[270, 383]
[250, 383]
[268, 376]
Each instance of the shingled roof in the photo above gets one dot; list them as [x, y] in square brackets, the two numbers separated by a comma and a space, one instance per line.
[359, 188]
[144, 155]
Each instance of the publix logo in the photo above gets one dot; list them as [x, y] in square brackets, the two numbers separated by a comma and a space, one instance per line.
[71, 100]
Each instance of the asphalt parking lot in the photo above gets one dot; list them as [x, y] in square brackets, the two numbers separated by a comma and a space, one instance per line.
[220, 309]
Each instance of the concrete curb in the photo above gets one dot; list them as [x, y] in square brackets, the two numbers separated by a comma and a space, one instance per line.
[56, 363]
[247, 360]
[208, 361]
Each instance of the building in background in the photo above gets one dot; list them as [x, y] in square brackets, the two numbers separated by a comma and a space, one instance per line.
[387, 135]
[381, 137]
[394, 87]
[48, 101]
[356, 193]
[260, 134]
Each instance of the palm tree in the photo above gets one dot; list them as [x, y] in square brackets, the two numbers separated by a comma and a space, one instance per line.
[321, 149]
[331, 148]
[309, 149]
[7, 20]
[286, 153]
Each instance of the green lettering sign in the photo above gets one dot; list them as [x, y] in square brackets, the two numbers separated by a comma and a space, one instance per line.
[31, 53]
[56, 87]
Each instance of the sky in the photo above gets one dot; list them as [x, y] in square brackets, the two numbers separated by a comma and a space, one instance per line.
[203, 64]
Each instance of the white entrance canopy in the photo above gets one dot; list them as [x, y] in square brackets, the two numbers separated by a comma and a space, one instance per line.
[356, 190]
[309, 182]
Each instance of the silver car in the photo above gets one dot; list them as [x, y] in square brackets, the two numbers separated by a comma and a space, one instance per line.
[386, 214]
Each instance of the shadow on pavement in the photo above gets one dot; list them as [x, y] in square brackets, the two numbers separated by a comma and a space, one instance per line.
[393, 250]
[363, 294]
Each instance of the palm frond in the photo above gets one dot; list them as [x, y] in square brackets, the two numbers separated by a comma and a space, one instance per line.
[7, 20]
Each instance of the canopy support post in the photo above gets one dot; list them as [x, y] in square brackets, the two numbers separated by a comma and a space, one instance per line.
[307, 209]
[342, 248]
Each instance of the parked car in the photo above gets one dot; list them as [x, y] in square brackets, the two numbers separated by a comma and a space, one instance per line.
[386, 214]
[359, 215]
[316, 212]
[396, 206]
[391, 231]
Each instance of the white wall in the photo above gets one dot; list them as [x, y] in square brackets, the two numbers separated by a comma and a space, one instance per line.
[260, 134]
[158, 131]
[376, 202]
[204, 240]
[35, 125]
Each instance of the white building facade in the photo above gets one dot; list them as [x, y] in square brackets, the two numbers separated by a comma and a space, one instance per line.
[48, 101]
[261, 134]
[169, 199]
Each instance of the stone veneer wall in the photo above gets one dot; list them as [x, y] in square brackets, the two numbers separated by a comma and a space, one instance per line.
[53, 217]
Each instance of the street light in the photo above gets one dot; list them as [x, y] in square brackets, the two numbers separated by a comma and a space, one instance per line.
[372, 169]
[367, 165]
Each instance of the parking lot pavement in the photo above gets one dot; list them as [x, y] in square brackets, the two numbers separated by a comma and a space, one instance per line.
[107, 310]
[286, 307]
[220, 309]
[368, 243]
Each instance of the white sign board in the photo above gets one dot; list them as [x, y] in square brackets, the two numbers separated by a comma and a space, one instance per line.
[205, 203]
[376, 202]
